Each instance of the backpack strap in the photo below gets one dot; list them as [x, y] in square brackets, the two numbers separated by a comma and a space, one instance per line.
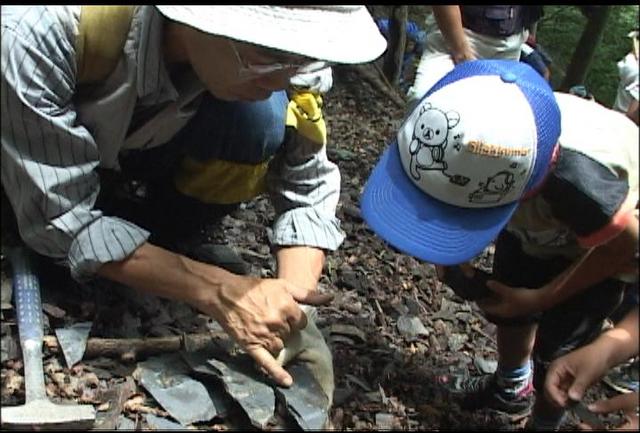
[102, 33]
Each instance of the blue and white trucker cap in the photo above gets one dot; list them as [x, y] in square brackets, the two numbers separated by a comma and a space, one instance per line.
[481, 139]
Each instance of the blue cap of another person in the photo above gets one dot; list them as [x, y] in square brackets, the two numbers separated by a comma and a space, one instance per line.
[480, 140]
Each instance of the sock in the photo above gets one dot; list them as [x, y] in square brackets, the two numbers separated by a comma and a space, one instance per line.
[538, 423]
[514, 380]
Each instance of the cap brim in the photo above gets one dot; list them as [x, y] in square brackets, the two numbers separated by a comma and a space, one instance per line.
[422, 226]
[347, 34]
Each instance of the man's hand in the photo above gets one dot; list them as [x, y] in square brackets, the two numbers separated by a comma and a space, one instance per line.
[467, 270]
[260, 314]
[627, 403]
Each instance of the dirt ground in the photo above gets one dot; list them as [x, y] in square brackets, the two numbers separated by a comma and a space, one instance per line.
[384, 370]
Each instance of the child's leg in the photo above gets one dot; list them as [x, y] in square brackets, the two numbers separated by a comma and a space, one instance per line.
[515, 345]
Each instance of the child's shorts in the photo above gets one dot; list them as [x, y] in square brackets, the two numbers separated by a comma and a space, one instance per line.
[567, 326]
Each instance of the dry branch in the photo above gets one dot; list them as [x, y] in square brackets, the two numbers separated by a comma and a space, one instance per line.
[130, 349]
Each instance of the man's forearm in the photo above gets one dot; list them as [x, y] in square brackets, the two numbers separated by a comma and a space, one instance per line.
[259, 314]
[163, 273]
[300, 265]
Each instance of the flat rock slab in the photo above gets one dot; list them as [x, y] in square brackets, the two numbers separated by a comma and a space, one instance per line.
[305, 400]
[256, 398]
[166, 378]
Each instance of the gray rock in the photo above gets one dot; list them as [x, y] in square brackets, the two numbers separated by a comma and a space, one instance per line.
[186, 400]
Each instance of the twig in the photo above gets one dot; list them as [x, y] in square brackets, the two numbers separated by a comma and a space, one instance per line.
[481, 332]
[375, 77]
[383, 319]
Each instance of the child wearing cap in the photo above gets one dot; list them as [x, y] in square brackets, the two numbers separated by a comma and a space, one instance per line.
[457, 33]
[491, 154]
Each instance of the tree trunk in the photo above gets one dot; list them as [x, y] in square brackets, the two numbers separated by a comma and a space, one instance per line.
[586, 47]
[396, 44]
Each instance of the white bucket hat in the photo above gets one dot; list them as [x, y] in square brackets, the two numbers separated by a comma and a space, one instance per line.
[341, 34]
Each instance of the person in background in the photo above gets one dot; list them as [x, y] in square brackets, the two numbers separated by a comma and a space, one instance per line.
[492, 155]
[582, 91]
[457, 33]
[627, 96]
[535, 56]
[415, 40]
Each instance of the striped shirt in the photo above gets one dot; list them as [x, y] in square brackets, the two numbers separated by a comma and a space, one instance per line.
[55, 136]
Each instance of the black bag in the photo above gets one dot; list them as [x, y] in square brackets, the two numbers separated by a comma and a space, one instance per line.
[499, 20]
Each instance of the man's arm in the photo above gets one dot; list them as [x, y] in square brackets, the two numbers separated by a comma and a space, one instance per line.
[305, 187]
[258, 313]
[302, 266]
[48, 157]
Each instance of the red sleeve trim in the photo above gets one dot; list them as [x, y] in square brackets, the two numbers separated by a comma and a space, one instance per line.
[618, 223]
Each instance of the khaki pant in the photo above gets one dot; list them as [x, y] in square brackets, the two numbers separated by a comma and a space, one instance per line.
[436, 59]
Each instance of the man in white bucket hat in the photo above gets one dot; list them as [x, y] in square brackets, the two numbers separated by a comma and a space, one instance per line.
[191, 100]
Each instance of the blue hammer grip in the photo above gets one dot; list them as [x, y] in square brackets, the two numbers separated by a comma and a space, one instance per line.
[26, 292]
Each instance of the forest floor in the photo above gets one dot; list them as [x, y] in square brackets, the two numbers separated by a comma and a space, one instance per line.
[384, 370]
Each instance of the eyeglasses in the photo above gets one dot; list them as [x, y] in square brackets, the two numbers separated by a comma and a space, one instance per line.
[249, 71]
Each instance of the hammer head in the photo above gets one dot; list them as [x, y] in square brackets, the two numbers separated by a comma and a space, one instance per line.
[44, 414]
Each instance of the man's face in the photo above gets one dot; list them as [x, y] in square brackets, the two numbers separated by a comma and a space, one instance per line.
[237, 71]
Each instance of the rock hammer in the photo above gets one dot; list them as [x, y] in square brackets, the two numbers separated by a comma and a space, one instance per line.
[38, 412]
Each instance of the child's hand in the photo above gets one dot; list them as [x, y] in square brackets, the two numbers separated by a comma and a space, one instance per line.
[512, 301]
[569, 376]
[627, 403]
[463, 55]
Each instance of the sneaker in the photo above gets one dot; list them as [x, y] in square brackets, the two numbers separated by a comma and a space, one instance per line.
[483, 392]
[624, 378]
[210, 245]
[192, 228]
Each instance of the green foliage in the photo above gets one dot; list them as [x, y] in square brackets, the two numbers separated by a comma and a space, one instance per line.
[559, 31]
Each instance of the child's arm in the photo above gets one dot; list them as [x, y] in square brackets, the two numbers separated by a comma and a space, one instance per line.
[569, 376]
[449, 20]
[609, 259]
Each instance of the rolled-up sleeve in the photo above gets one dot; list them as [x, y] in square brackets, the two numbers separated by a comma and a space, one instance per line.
[48, 159]
[305, 185]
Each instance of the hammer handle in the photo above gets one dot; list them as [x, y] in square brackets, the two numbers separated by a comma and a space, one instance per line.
[26, 290]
